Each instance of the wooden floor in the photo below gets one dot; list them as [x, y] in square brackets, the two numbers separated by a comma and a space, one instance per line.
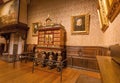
[22, 73]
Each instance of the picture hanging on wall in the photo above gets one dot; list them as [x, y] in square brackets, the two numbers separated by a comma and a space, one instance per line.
[35, 29]
[9, 13]
[80, 24]
[114, 9]
[102, 13]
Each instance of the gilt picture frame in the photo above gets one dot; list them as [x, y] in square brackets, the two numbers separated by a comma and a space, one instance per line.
[114, 9]
[35, 28]
[102, 13]
[80, 24]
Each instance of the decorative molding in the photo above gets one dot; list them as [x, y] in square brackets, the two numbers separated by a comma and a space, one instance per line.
[87, 50]
[114, 10]
[102, 12]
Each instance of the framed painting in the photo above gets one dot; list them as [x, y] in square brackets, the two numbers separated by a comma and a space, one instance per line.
[35, 29]
[102, 13]
[114, 9]
[80, 24]
[9, 13]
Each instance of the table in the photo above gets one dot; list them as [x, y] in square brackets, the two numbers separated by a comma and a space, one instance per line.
[109, 69]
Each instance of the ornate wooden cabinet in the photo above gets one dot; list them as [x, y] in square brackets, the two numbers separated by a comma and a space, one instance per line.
[51, 41]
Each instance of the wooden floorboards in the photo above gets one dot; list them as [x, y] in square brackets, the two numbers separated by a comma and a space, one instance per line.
[22, 73]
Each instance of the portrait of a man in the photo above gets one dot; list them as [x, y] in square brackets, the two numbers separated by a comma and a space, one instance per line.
[80, 24]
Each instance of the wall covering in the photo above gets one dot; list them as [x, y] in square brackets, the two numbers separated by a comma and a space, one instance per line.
[61, 11]
[112, 34]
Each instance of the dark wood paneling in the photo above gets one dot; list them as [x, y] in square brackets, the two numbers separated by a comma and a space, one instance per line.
[2, 46]
[92, 64]
[105, 51]
[86, 50]
[69, 61]
[115, 52]
[85, 56]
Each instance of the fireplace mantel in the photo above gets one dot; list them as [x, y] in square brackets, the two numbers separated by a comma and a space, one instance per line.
[22, 28]
[15, 35]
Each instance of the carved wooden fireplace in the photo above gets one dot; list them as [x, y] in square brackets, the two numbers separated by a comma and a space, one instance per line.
[15, 36]
[13, 25]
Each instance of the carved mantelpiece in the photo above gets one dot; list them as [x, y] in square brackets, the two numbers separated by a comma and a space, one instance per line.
[14, 28]
[14, 34]
[13, 25]
[22, 28]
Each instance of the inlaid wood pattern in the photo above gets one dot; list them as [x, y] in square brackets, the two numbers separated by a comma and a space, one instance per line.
[22, 73]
